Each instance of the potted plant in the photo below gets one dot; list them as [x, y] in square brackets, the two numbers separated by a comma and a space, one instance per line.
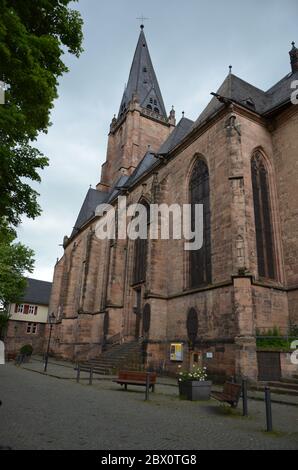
[26, 352]
[193, 385]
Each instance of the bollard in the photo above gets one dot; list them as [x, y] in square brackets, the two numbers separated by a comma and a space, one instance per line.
[91, 376]
[147, 386]
[244, 398]
[268, 409]
[78, 373]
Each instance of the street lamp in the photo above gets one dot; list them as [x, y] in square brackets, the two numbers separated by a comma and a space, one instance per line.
[52, 319]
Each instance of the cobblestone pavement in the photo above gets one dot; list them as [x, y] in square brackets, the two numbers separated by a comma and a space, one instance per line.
[65, 370]
[43, 412]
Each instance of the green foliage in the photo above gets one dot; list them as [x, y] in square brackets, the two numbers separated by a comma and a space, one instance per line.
[26, 350]
[4, 317]
[273, 340]
[293, 330]
[15, 259]
[33, 39]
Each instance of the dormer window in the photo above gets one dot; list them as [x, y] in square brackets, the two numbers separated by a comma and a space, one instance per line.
[149, 107]
[156, 110]
[155, 102]
[144, 69]
[151, 100]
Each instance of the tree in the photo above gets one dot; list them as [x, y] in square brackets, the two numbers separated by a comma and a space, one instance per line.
[34, 35]
[15, 260]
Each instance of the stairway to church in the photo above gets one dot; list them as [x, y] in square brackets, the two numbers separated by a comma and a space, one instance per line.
[287, 386]
[126, 355]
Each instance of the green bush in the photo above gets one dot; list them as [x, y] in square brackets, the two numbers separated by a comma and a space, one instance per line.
[26, 350]
[272, 339]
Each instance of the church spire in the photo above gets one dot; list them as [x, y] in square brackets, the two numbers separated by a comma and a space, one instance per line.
[142, 82]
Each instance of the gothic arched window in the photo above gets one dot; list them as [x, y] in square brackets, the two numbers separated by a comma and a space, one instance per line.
[200, 260]
[262, 211]
[140, 254]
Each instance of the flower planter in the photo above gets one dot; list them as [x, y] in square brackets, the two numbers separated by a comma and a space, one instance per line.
[195, 389]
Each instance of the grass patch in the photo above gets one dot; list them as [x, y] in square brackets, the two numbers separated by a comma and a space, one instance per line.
[275, 433]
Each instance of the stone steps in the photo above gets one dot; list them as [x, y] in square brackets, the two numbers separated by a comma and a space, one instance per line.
[277, 389]
[284, 384]
[291, 380]
[126, 355]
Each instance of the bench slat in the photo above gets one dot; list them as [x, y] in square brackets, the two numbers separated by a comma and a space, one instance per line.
[230, 394]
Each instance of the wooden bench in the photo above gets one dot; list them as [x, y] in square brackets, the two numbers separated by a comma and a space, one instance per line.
[127, 377]
[230, 394]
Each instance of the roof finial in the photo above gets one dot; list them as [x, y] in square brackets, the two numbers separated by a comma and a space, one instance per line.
[293, 44]
[230, 69]
[142, 18]
[183, 114]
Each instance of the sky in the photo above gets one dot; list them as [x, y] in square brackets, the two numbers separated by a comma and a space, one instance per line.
[192, 43]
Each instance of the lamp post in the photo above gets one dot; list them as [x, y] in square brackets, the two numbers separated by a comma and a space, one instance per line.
[52, 318]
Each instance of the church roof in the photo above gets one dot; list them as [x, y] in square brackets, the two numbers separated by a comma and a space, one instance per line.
[180, 131]
[142, 80]
[241, 92]
[92, 200]
[117, 187]
[280, 92]
[145, 164]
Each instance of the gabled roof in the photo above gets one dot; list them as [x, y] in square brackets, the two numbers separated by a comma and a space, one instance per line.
[249, 96]
[92, 199]
[142, 80]
[281, 91]
[180, 131]
[37, 292]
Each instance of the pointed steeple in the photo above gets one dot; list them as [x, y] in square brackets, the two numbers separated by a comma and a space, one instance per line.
[142, 82]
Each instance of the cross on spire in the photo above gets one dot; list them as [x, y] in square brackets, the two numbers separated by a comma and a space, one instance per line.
[142, 18]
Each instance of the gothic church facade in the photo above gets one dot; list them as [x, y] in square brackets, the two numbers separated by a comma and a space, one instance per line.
[240, 160]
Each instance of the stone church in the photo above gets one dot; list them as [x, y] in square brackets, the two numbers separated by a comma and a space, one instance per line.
[240, 160]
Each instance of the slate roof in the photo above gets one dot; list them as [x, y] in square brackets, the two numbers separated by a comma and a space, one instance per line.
[145, 164]
[37, 292]
[280, 92]
[179, 132]
[142, 79]
[117, 187]
[249, 96]
[92, 199]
